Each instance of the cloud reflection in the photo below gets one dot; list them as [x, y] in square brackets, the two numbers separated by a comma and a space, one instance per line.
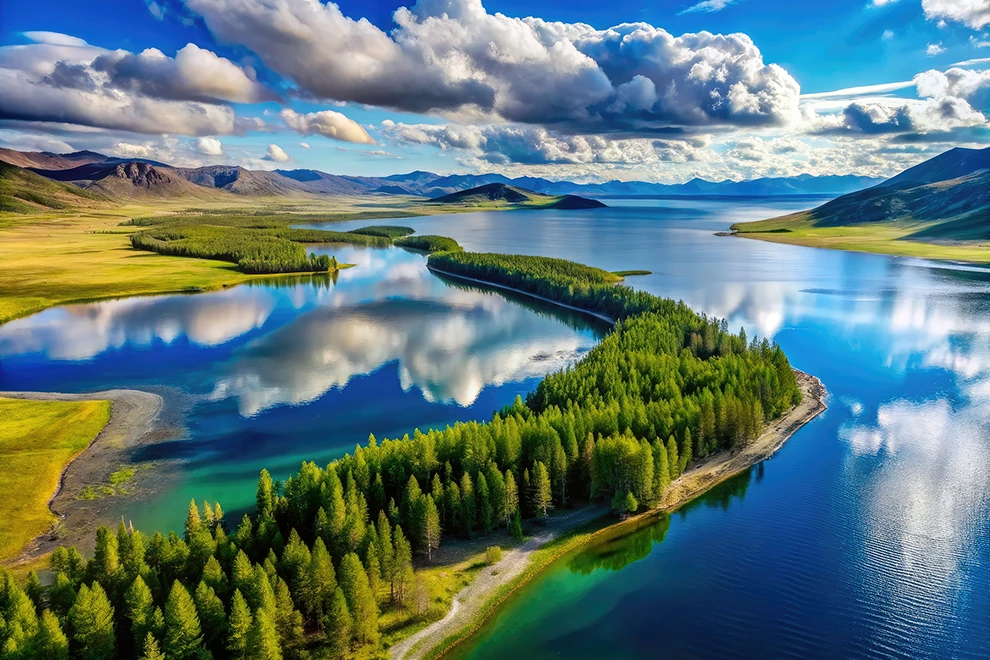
[450, 349]
[80, 332]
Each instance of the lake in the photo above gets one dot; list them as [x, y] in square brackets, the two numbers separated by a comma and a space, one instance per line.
[865, 536]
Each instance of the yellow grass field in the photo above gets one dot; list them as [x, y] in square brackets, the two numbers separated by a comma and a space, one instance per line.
[879, 238]
[37, 440]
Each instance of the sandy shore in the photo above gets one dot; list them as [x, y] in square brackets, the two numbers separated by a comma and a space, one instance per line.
[469, 605]
[133, 424]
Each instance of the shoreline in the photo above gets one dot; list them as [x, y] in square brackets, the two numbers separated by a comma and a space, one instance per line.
[504, 287]
[474, 605]
[132, 424]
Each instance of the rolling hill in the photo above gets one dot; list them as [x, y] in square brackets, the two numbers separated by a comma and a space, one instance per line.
[23, 191]
[497, 195]
[942, 201]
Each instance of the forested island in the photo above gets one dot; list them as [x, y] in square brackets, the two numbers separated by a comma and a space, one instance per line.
[332, 549]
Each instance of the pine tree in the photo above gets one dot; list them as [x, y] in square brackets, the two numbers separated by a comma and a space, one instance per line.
[386, 551]
[50, 642]
[401, 567]
[288, 621]
[212, 617]
[183, 636]
[439, 498]
[559, 480]
[485, 508]
[215, 578]
[360, 601]
[35, 591]
[526, 494]
[265, 498]
[262, 639]
[320, 583]
[139, 606]
[469, 509]
[511, 499]
[431, 528]
[685, 458]
[193, 522]
[239, 624]
[515, 525]
[339, 625]
[105, 564]
[542, 496]
[61, 595]
[91, 619]
[672, 461]
[661, 470]
[151, 649]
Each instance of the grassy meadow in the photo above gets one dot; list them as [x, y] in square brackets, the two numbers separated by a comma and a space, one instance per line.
[880, 237]
[37, 440]
[55, 257]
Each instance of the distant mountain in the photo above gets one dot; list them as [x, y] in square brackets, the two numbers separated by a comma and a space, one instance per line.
[945, 198]
[501, 194]
[87, 168]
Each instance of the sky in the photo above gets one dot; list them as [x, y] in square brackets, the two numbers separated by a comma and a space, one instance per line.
[583, 90]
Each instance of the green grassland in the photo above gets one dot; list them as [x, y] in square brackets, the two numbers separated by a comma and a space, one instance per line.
[901, 238]
[37, 440]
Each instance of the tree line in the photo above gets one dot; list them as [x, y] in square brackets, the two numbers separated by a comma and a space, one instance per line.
[331, 548]
[254, 250]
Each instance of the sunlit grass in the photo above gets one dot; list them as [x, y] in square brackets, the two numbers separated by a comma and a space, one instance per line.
[37, 440]
[880, 238]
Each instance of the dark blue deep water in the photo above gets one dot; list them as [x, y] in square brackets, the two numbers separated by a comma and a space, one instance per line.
[865, 536]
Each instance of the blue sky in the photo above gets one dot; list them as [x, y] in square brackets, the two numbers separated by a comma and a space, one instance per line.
[521, 97]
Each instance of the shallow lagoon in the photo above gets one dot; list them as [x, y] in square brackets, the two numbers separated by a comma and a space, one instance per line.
[866, 536]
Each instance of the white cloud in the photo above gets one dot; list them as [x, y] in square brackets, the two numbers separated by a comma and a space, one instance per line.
[888, 35]
[157, 10]
[62, 79]
[708, 6]
[453, 56]
[304, 145]
[276, 154]
[209, 146]
[54, 38]
[934, 49]
[972, 13]
[328, 123]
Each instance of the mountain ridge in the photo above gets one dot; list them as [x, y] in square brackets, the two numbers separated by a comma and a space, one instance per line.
[86, 168]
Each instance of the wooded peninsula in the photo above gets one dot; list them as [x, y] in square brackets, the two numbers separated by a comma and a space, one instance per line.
[330, 551]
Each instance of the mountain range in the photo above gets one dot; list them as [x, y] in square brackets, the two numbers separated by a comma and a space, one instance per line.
[130, 177]
[946, 198]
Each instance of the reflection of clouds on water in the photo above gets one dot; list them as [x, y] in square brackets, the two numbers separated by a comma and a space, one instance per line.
[929, 502]
[79, 332]
[449, 350]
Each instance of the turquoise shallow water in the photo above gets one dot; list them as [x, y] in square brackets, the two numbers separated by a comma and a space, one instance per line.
[865, 536]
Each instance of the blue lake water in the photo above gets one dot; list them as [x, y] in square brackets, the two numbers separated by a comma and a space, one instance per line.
[865, 536]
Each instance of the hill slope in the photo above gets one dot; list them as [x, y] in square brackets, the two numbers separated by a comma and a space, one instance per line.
[23, 191]
[495, 195]
[944, 200]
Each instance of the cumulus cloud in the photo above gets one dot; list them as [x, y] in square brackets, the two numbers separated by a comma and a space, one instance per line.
[972, 13]
[934, 49]
[974, 86]
[63, 79]
[276, 154]
[453, 56]
[933, 115]
[209, 146]
[304, 145]
[327, 123]
[194, 74]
